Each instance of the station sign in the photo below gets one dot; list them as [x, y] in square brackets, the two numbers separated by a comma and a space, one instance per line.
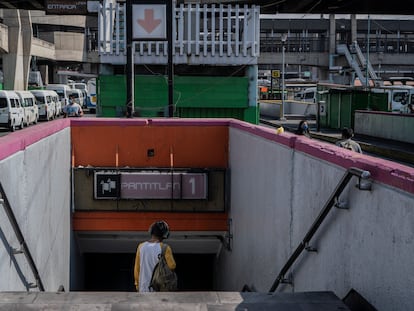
[149, 21]
[275, 74]
[66, 7]
[151, 185]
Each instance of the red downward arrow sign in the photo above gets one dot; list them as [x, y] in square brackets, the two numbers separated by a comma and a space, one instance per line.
[149, 23]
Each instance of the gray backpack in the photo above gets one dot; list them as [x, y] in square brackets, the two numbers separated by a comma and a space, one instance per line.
[163, 278]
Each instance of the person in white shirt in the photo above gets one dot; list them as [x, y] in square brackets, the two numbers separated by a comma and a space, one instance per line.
[347, 142]
[73, 109]
[148, 254]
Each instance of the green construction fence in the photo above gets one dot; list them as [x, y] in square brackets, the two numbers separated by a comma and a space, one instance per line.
[194, 97]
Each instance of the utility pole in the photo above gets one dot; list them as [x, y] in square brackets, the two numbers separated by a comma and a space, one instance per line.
[130, 63]
[170, 59]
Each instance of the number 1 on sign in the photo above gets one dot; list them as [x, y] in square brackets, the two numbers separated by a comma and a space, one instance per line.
[192, 182]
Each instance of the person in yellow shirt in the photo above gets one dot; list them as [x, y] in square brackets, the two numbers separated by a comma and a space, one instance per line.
[148, 254]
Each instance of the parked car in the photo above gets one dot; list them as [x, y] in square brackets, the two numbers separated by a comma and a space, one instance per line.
[31, 111]
[11, 111]
[47, 107]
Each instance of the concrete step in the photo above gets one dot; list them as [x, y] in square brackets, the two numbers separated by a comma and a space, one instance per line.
[209, 301]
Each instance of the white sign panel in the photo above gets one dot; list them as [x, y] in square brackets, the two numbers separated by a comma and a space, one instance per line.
[149, 21]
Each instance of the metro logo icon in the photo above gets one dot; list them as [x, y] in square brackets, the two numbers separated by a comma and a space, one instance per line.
[106, 185]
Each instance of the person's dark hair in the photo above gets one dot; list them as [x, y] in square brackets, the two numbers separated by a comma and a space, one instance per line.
[347, 133]
[160, 229]
[301, 130]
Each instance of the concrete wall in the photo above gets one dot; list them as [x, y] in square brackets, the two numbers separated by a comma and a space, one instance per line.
[279, 184]
[386, 125]
[35, 173]
[69, 46]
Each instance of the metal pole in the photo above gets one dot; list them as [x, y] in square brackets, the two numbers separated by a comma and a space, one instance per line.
[283, 80]
[367, 60]
[170, 59]
[318, 125]
[130, 64]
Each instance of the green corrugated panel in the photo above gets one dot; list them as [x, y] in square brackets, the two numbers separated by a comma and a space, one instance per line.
[370, 101]
[112, 96]
[211, 113]
[378, 102]
[360, 101]
[211, 92]
[151, 95]
[346, 110]
[251, 115]
[334, 108]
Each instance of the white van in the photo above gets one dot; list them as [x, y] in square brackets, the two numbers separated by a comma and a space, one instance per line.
[58, 103]
[78, 85]
[47, 107]
[31, 111]
[62, 90]
[11, 111]
[399, 96]
[309, 95]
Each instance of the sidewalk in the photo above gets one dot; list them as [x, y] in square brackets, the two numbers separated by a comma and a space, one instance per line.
[385, 148]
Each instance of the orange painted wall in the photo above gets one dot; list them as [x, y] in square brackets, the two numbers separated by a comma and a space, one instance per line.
[130, 221]
[116, 145]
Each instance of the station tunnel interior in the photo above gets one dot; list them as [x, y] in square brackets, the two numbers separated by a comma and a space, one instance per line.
[115, 272]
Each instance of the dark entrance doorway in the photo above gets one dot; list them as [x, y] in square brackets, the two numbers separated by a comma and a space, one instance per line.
[115, 272]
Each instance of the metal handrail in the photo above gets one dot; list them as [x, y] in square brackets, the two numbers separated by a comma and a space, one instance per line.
[318, 221]
[23, 246]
